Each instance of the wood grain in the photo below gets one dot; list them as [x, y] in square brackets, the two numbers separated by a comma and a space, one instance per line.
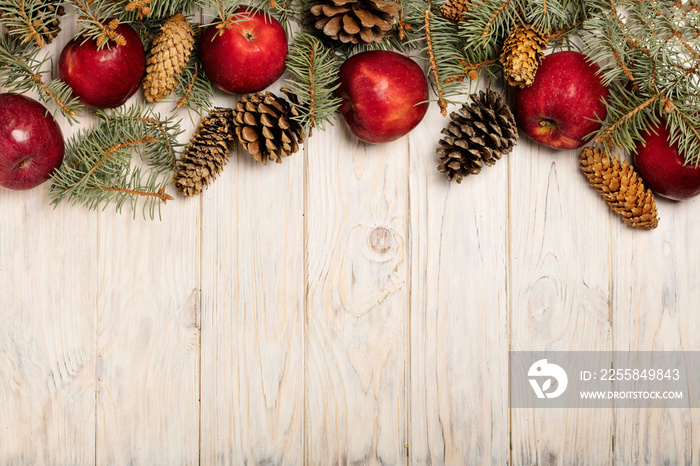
[148, 336]
[658, 312]
[253, 312]
[459, 331]
[47, 334]
[357, 300]
[48, 291]
[559, 277]
[354, 307]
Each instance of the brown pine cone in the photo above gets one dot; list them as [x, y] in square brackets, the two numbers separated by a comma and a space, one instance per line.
[480, 134]
[453, 10]
[521, 55]
[265, 126]
[169, 55]
[207, 152]
[355, 21]
[621, 187]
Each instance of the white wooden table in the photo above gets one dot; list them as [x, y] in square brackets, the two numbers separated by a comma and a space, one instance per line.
[348, 306]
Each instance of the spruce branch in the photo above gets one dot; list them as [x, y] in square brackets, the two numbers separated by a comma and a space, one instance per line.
[21, 71]
[225, 14]
[441, 46]
[314, 75]
[34, 21]
[97, 20]
[98, 166]
[650, 58]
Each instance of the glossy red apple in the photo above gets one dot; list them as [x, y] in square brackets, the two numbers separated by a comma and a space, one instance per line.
[663, 167]
[246, 57]
[31, 142]
[107, 77]
[559, 108]
[384, 95]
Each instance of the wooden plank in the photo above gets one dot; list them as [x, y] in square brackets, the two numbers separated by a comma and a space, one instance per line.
[252, 312]
[560, 277]
[459, 329]
[357, 300]
[48, 290]
[148, 335]
[47, 338]
[655, 309]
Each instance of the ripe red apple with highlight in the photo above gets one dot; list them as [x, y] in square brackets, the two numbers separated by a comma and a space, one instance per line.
[246, 57]
[663, 167]
[384, 95]
[31, 142]
[560, 107]
[107, 77]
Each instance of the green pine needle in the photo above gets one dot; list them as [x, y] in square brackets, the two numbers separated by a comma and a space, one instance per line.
[21, 71]
[98, 167]
[314, 74]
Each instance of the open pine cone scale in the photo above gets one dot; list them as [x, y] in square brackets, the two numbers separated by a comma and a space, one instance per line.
[356, 21]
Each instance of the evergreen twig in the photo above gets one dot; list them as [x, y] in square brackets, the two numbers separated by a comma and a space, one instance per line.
[21, 71]
[314, 74]
[31, 20]
[650, 58]
[97, 20]
[98, 169]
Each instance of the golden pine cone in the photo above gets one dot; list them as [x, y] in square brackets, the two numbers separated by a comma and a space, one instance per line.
[169, 55]
[453, 10]
[355, 21]
[266, 128]
[621, 187]
[521, 55]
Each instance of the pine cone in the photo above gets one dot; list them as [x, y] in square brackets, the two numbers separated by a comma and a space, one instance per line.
[453, 10]
[521, 55]
[45, 20]
[355, 21]
[478, 135]
[170, 53]
[621, 187]
[265, 127]
[207, 152]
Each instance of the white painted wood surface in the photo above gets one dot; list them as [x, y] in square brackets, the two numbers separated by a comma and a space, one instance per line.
[347, 306]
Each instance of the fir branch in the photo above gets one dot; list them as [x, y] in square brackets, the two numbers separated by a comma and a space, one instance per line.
[442, 49]
[224, 11]
[21, 71]
[650, 58]
[31, 20]
[442, 101]
[98, 167]
[314, 75]
[97, 21]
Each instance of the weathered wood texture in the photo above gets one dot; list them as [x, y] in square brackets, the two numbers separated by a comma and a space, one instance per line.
[253, 312]
[347, 306]
[559, 280]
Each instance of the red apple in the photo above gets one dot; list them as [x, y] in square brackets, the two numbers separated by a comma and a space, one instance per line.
[107, 77]
[246, 57]
[31, 142]
[384, 95]
[663, 167]
[560, 107]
